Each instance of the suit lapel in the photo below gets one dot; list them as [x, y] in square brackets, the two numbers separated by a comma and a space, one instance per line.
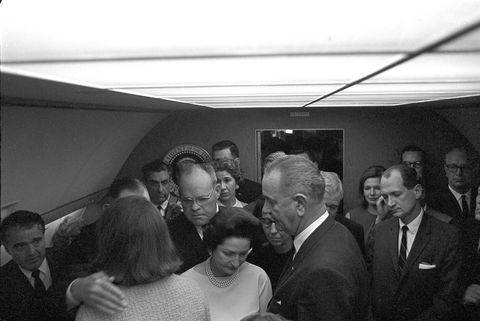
[421, 240]
[392, 244]
[306, 247]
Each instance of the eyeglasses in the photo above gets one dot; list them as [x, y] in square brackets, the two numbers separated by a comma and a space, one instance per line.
[413, 164]
[453, 168]
[267, 222]
[200, 200]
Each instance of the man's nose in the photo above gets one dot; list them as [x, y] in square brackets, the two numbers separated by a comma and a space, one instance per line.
[31, 249]
[273, 229]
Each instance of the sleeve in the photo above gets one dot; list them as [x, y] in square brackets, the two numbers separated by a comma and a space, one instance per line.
[264, 291]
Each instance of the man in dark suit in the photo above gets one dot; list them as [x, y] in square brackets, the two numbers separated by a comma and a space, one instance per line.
[199, 192]
[416, 258]
[32, 284]
[157, 177]
[333, 198]
[457, 199]
[326, 279]
[248, 190]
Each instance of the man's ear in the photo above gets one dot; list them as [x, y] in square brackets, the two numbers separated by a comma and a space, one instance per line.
[418, 190]
[300, 203]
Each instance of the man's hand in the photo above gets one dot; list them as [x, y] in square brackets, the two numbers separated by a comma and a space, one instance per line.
[98, 292]
[382, 209]
[472, 295]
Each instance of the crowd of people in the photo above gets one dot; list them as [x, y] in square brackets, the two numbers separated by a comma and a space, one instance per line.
[202, 242]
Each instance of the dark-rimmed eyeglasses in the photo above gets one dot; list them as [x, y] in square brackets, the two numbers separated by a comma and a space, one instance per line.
[199, 200]
[453, 168]
[413, 164]
[267, 223]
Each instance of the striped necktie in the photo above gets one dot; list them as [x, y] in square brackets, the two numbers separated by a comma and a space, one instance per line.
[402, 258]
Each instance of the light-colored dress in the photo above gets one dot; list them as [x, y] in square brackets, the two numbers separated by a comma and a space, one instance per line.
[249, 293]
[174, 298]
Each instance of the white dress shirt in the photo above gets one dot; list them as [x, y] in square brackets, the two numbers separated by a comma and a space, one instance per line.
[411, 233]
[44, 274]
[458, 197]
[300, 238]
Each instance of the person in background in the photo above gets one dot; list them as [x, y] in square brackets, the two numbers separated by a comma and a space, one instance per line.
[199, 192]
[248, 190]
[32, 284]
[157, 177]
[81, 248]
[273, 253]
[367, 215]
[416, 258]
[326, 278]
[333, 198]
[228, 175]
[234, 287]
[134, 248]
[457, 198]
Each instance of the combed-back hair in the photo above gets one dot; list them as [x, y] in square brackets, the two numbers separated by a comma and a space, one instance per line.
[374, 171]
[414, 148]
[155, 166]
[134, 244]
[299, 175]
[408, 174]
[226, 144]
[229, 166]
[125, 184]
[186, 167]
[20, 219]
[232, 222]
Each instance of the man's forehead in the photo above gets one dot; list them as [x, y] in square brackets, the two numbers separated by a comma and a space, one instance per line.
[196, 179]
[17, 234]
[456, 156]
[223, 153]
[393, 179]
[161, 175]
[412, 155]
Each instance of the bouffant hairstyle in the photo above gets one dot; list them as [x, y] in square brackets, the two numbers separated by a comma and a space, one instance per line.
[231, 222]
[374, 171]
[229, 166]
[134, 244]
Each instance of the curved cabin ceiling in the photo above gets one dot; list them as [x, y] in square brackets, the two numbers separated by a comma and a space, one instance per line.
[249, 54]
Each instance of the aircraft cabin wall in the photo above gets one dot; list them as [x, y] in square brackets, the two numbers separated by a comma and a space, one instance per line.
[371, 136]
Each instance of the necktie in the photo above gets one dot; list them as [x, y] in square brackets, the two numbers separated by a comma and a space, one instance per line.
[402, 258]
[465, 211]
[38, 283]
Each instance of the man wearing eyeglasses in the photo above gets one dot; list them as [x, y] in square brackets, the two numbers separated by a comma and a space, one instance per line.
[199, 193]
[457, 199]
[326, 278]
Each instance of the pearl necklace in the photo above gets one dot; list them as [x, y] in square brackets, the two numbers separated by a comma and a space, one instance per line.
[219, 283]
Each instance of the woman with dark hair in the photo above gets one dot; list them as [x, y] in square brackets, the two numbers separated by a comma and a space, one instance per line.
[228, 175]
[134, 248]
[367, 214]
[234, 287]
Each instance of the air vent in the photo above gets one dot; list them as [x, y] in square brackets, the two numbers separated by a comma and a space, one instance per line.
[300, 114]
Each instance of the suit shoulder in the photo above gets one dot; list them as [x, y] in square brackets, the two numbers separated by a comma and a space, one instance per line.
[441, 226]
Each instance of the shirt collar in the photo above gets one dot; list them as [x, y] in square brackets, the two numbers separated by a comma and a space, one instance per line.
[302, 237]
[43, 269]
[415, 224]
[457, 195]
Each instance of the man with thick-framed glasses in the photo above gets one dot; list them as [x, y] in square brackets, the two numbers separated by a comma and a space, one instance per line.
[457, 199]
[199, 192]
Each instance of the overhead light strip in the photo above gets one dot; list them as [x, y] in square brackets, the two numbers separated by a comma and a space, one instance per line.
[401, 60]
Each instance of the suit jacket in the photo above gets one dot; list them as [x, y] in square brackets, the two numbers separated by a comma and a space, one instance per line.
[354, 228]
[428, 288]
[17, 299]
[444, 201]
[190, 246]
[248, 190]
[327, 279]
